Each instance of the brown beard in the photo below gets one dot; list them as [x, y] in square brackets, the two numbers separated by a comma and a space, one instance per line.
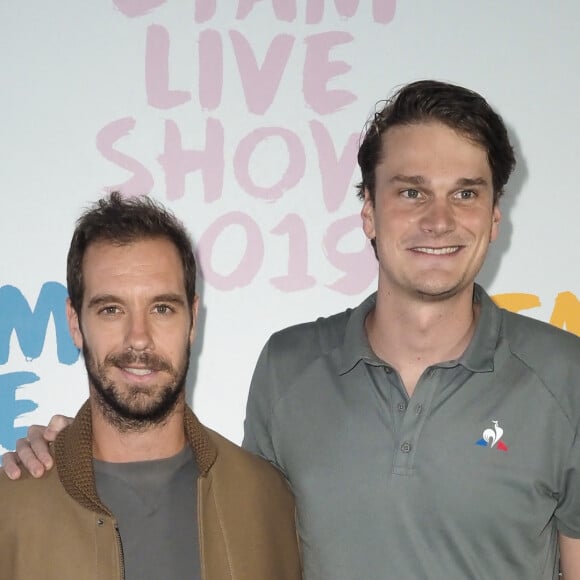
[118, 411]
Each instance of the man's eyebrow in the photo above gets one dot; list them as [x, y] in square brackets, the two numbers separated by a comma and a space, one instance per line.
[101, 299]
[410, 179]
[170, 297]
[467, 181]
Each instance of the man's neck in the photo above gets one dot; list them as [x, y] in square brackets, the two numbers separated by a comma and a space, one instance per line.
[412, 334]
[156, 442]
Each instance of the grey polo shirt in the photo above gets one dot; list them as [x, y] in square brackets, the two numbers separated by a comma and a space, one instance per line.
[471, 477]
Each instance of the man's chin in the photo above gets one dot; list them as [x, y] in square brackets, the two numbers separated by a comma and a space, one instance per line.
[438, 292]
[140, 409]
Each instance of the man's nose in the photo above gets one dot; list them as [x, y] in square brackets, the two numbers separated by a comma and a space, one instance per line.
[438, 217]
[138, 333]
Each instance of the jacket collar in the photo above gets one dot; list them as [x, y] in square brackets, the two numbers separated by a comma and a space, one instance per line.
[73, 450]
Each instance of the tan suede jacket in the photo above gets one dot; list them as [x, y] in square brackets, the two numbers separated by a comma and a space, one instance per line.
[56, 528]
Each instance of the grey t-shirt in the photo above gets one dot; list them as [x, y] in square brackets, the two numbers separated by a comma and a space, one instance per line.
[154, 503]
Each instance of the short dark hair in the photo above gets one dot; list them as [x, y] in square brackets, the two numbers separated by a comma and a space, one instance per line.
[457, 107]
[123, 220]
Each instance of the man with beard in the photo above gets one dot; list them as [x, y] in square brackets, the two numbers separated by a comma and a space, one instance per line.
[142, 490]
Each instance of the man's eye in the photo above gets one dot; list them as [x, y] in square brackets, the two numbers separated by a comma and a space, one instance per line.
[109, 310]
[163, 309]
[410, 193]
[466, 194]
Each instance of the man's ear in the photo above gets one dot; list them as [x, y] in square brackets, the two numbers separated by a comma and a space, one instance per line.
[495, 220]
[74, 325]
[368, 216]
[194, 309]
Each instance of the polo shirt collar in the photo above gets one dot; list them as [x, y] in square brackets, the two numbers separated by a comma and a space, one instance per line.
[478, 357]
[355, 346]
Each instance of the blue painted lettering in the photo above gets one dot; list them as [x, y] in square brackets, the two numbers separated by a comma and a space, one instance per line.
[11, 408]
[31, 325]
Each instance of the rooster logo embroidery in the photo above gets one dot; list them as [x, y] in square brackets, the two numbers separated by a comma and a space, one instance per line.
[491, 438]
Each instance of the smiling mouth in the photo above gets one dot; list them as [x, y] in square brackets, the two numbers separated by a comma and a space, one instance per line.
[437, 251]
[137, 372]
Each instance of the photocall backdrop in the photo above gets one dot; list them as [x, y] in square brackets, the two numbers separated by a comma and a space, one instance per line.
[243, 117]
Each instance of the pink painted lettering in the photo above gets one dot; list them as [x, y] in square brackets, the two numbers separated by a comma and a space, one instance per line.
[293, 174]
[260, 84]
[315, 9]
[157, 71]
[297, 277]
[318, 70]
[211, 69]
[336, 172]
[383, 10]
[283, 9]
[204, 10]
[178, 162]
[142, 180]
[251, 261]
[360, 268]
[134, 8]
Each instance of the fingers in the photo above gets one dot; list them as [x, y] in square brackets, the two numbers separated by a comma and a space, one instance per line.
[54, 427]
[33, 453]
[10, 465]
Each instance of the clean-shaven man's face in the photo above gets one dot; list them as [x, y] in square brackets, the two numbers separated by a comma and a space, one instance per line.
[434, 214]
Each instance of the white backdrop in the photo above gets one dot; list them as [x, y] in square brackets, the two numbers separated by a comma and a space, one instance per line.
[243, 116]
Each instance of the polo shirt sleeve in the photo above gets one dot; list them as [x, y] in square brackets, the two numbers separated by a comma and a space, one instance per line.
[568, 510]
[258, 423]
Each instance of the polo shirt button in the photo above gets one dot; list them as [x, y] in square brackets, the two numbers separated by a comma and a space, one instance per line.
[100, 522]
[406, 447]
[401, 407]
[418, 408]
[388, 370]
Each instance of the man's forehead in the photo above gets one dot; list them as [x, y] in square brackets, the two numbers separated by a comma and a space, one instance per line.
[430, 125]
[431, 140]
[156, 256]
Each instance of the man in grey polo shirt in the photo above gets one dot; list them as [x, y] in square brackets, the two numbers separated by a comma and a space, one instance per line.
[426, 434]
